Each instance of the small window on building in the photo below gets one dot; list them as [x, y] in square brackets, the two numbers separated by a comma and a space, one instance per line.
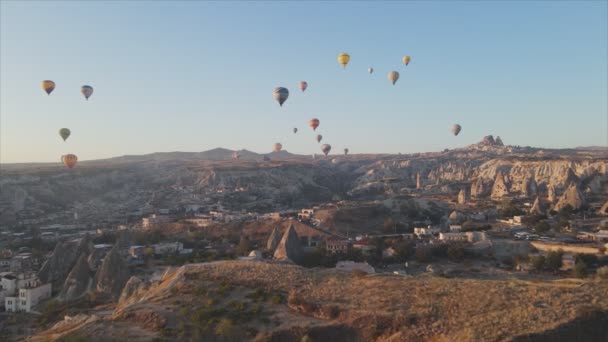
[10, 302]
[23, 302]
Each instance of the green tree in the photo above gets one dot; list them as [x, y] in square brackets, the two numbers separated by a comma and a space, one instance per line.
[580, 270]
[243, 247]
[553, 260]
[542, 227]
[538, 262]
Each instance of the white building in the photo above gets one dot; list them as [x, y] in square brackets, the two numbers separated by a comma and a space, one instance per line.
[455, 228]
[423, 231]
[476, 236]
[28, 298]
[154, 219]
[306, 214]
[168, 248]
[200, 221]
[11, 282]
[453, 236]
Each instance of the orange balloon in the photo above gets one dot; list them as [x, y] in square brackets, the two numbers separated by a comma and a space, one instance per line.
[69, 160]
[314, 123]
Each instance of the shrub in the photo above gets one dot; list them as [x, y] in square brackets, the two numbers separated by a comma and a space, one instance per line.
[580, 270]
[276, 299]
[553, 261]
[538, 262]
[602, 272]
[455, 252]
[225, 327]
[542, 227]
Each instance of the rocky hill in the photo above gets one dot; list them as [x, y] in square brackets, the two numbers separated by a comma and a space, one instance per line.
[262, 301]
[114, 188]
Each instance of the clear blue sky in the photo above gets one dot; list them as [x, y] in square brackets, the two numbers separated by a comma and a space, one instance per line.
[190, 76]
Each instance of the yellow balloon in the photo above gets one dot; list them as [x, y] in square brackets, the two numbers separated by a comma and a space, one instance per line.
[48, 86]
[406, 60]
[343, 59]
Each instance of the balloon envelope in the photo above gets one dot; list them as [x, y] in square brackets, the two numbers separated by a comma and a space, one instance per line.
[345, 151]
[319, 137]
[69, 160]
[370, 70]
[314, 123]
[48, 86]
[326, 148]
[393, 76]
[87, 91]
[343, 59]
[406, 60]
[303, 85]
[295, 130]
[456, 128]
[280, 94]
[277, 147]
[64, 133]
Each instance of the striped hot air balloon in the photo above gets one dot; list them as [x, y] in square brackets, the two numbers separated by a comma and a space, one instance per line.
[326, 148]
[87, 91]
[314, 123]
[280, 94]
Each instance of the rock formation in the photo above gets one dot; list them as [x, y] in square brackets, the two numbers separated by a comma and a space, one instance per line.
[604, 209]
[273, 240]
[572, 197]
[64, 257]
[289, 248]
[499, 189]
[488, 140]
[478, 189]
[498, 141]
[455, 216]
[537, 208]
[132, 288]
[112, 275]
[463, 196]
[79, 281]
[418, 181]
[551, 195]
[96, 257]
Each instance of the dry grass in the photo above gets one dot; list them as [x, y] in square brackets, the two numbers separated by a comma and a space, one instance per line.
[338, 306]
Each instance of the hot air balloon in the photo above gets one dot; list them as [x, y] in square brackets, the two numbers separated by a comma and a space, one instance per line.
[456, 129]
[295, 130]
[280, 94]
[87, 91]
[69, 160]
[64, 133]
[343, 59]
[406, 60]
[326, 148]
[314, 123]
[236, 155]
[370, 70]
[345, 151]
[48, 86]
[319, 137]
[303, 85]
[277, 147]
[393, 76]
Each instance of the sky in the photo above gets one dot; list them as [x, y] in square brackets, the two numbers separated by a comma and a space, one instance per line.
[194, 75]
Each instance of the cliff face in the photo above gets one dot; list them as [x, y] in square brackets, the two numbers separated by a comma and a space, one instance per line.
[273, 240]
[112, 275]
[289, 249]
[64, 257]
[78, 282]
[572, 197]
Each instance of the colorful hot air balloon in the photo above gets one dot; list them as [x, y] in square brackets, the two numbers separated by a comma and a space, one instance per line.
[314, 123]
[393, 76]
[64, 133]
[280, 94]
[326, 148]
[456, 129]
[345, 151]
[236, 155]
[48, 86]
[277, 147]
[303, 85]
[295, 130]
[343, 59]
[87, 91]
[319, 137]
[406, 60]
[370, 70]
[69, 160]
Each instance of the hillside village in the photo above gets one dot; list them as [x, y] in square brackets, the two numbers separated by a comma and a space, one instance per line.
[512, 216]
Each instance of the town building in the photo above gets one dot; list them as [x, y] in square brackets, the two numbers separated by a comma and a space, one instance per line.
[168, 248]
[137, 251]
[453, 237]
[335, 245]
[154, 219]
[455, 228]
[365, 245]
[426, 231]
[28, 298]
[306, 214]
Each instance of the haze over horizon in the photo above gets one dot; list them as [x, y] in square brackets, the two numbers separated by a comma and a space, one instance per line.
[193, 76]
